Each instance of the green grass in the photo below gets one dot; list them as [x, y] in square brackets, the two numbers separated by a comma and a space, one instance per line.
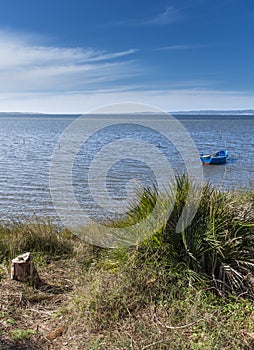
[170, 315]
[22, 334]
[178, 288]
[217, 248]
[37, 236]
[192, 288]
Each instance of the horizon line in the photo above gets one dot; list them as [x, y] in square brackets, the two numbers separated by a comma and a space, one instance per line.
[245, 110]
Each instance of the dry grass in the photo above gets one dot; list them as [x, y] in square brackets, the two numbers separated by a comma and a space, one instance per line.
[26, 308]
[39, 318]
[123, 299]
[98, 307]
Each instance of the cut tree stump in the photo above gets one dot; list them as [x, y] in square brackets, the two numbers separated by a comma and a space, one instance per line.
[23, 270]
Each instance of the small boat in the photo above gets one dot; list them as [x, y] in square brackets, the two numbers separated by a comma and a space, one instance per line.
[214, 158]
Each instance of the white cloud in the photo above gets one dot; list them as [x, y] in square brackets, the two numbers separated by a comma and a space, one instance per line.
[180, 47]
[165, 17]
[50, 79]
[27, 67]
[169, 15]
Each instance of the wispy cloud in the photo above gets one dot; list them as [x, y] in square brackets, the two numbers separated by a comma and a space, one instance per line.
[180, 47]
[168, 16]
[27, 66]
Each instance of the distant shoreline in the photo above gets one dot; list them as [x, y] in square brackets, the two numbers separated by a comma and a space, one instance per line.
[240, 113]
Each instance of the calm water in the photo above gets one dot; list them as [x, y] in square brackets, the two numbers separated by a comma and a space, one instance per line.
[27, 144]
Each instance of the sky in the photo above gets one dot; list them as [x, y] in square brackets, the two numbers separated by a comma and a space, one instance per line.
[63, 56]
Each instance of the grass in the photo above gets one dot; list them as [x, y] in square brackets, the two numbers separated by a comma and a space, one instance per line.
[187, 288]
[215, 249]
[38, 236]
[20, 334]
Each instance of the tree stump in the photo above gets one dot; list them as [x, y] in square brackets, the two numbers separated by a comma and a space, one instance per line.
[23, 270]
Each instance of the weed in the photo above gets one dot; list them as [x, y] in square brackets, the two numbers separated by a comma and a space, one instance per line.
[21, 334]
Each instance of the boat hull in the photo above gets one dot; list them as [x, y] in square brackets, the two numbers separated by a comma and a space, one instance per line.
[216, 158]
[213, 160]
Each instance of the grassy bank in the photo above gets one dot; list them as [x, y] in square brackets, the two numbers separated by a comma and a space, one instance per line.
[180, 288]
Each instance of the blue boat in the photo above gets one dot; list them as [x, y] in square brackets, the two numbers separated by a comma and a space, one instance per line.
[214, 158]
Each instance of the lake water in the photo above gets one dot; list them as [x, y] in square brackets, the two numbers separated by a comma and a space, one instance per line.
[27, 144]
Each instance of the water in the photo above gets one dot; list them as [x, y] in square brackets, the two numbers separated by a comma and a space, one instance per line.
[27, 144]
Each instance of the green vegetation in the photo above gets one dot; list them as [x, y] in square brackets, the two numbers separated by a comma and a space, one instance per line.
[217, 248]
[38, 236]
[20, 334]
[183, 287]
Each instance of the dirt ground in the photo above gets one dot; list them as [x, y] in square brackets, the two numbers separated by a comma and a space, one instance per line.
[34, 318]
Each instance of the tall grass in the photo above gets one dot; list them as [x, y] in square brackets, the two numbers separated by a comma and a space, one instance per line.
[216, 249]
[215, 252]
[38, 236]
[160, 293]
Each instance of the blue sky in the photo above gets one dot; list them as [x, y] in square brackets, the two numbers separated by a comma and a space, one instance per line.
[73, 56]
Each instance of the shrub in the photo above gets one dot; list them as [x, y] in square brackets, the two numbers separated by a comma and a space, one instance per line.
[217, 247]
